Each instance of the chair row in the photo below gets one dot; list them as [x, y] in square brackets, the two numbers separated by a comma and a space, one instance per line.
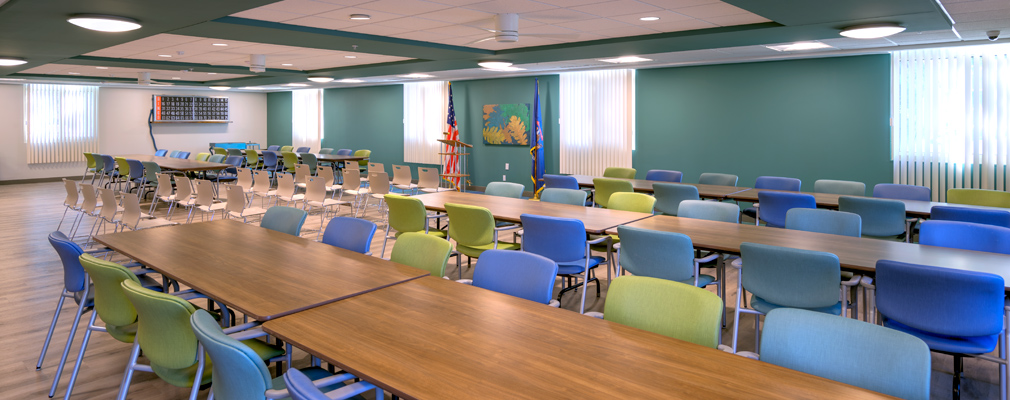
[172, 154]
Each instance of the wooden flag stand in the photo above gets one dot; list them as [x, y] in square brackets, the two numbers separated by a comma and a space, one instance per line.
[455, 148]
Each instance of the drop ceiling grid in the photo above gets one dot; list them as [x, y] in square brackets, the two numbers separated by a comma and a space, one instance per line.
[973, 18]
[129, 73]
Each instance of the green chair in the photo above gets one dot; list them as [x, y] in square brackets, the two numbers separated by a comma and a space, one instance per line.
[618, 172]
[363, 164]
[504, 189]
[473, 228]
[407, 214]
[287, 148]
[220, 150]
[630, 201]
[290, 160]
[422, 251]
[122, 171]
[881, 218]
[715, 178]
[604, 187]
[564, 196]
[665, 307]
[202, 156]
[91, 167]
[252, 159]
[979, 197]
[310, 160]
[847, 188]
[669, 196]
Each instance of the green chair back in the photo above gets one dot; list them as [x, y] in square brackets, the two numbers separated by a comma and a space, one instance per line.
[287, 148]
[220, 150]
[310, 160]
[665, 307]
[669, 196]
[709, 210]
[110, 302]
[164, 333]
[470, 225]
[238, 371]
[363, 153]
[619, 172]
[91, 160]
[564, 196]
[124, 167]
[252, 158]
[824, 221]
[151, 170]
[847, 188]
[979, 197]
[630, 201]
[406, 214]
[880, 217]
[290, 160]
[422, 251]
[606, 187]
[504, 189]
[202, 156]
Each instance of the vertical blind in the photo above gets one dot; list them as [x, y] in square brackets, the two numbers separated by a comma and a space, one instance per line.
[951, 117]
[61, 122]
[425, 111]
[597, 120]
[307, 118]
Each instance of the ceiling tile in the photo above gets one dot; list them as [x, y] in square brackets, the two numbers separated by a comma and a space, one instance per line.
[549, 30]
[413, 23]
[673, 4]
[685, 25]
[664, 17]
[556, 15]
[593, 25]
[975, 6]
[457, 15]
[617, 7]
[377, 30]
[263, 14]
[992, 15]
[510, 6]
[345, 14]
[845, 43]
[458, 2]
[304, 7]
[323, 23]
[571, 3]
[710, 10]
[908, 38]
[625, 31]
[404, 7]
[739, 19]
[345, 3]
[423, 36]
[460, 30]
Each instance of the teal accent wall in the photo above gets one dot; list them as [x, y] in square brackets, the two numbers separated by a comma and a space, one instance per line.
[278, 119]
[811, 119]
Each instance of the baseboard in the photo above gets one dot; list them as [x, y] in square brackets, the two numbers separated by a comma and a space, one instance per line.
[37, 180]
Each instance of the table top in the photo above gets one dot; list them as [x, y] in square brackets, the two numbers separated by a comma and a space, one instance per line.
[262, 273]
[178, 164]
[508, 209]
[856, 254]
[641, 185]
[437, 339]
[913, 208]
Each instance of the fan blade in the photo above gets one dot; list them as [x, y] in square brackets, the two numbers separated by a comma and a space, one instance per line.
[552, 35]
[480, 40]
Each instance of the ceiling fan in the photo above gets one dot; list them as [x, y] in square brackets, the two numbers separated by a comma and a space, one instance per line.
[506, 30]
[144, 78]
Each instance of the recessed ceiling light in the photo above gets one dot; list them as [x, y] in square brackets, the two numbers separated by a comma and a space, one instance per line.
[625, 59]
[649, 19]
[104, 23]
[297, 84]
[360, 17]
[220, 44]
[176, 77]
[800, 46]
[350, 56]
[212, 73]
[416, 76]
[74, 73]
[351, 81]
[505, 69]
[220, 87]
[165, 55]
[287, 65]
[495, 64]
[11, 61]
[872, 31]
[102, 67]
[320, 79]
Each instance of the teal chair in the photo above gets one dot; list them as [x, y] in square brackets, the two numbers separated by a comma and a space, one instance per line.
[665, 307]
[504, 189]
[882, 359]
[847, 188]
[709, 210]
[669, 196]
[824, 221]
[564, 196]
[882, 218]
[714, 178]
[284, 219]
[310, 160]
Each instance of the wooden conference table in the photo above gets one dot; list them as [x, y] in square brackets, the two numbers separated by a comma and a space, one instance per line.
[262, 273]
[178, 164]
[913, 208]
[322, 157]
[644, 186]
[432, 338]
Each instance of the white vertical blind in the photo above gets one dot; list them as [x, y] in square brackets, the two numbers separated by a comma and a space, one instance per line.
[425, 111]
[307, 118]
[597, 120]
[61, 122]
[951, 117]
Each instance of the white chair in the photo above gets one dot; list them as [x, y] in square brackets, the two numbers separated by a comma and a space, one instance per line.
[302, 174]
[134, 219]
[110, 210]
[90, 206]
[70, 202]
[286, 190]
[164, 192]
[205, 200]
[236, 204]
[402, 179]
[183, 196]
[329, 179]
[352, 187]
[378, 187]
[261, 186]
[372, 167]
[315, 197]
[427, 179]
[245, 180]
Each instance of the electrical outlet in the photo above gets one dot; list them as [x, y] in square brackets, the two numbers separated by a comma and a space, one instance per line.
[506, 166]
[503, 178]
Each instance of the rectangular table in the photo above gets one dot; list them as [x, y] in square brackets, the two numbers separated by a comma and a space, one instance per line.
[178, 164]
[509, 209]
[644, 186]
[913, 208]
[262, 273]
[436, 339]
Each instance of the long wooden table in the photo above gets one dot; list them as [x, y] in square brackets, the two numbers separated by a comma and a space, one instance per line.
[436, 339]
[913, 208]
[509, 209]
[644, 186]
[262, 273]
[178, 164]
[856, 254]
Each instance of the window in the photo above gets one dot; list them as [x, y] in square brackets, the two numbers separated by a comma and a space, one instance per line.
[597, 120]
[61, 122]
[425, 111]
[307, 118]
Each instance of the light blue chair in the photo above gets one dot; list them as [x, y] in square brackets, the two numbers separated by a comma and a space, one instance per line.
[714, 178]
[824, 221]
[772, 183]
[160, 153]
[574, 197]
[965, 236]
[345, 152]
[883, 360]
[670, 195]
[775, 205]
[274, 148]
[517, 273]
[560, 182]
[847, 188]
[353, 234]
[75, 286]
[505, 189]
[902, 192]
[183, 155]
[325, 150]
[709, 210]
[302, 150]
[882, 218]
[174, 154]
[284, 219]
[968, 214]
[663, 175]
[563, 241]
[301, 387]
[217, 158]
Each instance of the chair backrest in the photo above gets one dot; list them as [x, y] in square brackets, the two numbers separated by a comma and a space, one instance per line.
[401, 175]
[560, 182]
[90, 201]
[73, 195]
[824, 221]
[285, 185]
[238, 372]
[667, 308]
[236, 152]
[376, 167]
[220, 150]
[881, 217]
[310, 160]
[619, 172]
[261, 182]
[888, 361]
[302, 173]
[151, 170]
[124, 166]
[326, 174]
[174, 153]
[710, 210]
[300, 387]
[235, 161]
[979, 197]
[558, 239]
[252, 157]
[605, 187]
[269, 158]
[902, 192]
[790, 277]
[345, 152]
[470, 225]
[966, 236]
[406, 214]
[427, 178]
[326, 150]
[74, 277]
[284, 219]
[99, 161]
[163, 332]
[516, 273]
[245, 178]
[164, 185]
[184, 155]
[290, 160]
[160, 153]
[629, 201]
[109, 203]
[353, 234]
[664, 175]
[217, 158]
[183, 188]
[90, 159]
[363, 153]
[110, 302]
[204, 192]
[574, 197]
[202, 156]
[778, 183]
[304, 149]
[287, 148]
[274, 147]
[669, 196]
[131, 210]
[136, 169]
[236, 199]
[352, 179]
[109, 163]
[505, 189]
[656, 254]
[775, 205]
[848, 188]
[968, 214]
[378, 182]
[422, 251]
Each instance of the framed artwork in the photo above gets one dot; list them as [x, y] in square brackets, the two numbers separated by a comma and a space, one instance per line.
[507, 124]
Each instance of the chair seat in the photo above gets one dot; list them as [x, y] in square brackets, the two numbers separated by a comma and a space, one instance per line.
[475, 251]
[91, 296]
[248, 212]
[327, 203]
[433, 232]
[431, 190]
[750, 212]
[964, 345]
[293, 197]
[213, 207]
[153, 223]
[603, 246]
[577, 267]
[183, 377]
[764, 306]
[703, 280]
[123, 334]
[405, 187]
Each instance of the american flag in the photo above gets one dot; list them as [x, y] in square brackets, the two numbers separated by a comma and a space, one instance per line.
[452, 164]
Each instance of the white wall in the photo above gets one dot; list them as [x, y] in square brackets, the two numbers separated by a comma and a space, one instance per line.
[123, 128]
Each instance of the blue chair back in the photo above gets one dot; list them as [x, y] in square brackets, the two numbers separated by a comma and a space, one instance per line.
[238, 371]
[184, 154]
[778, 183]
[824, 221]
[345, 152]
[790, 277]
[968, 214]
[353, 234]
[775, 205]
[656, 254]
[300, 387]
[504, 189]
[302, 150]
[160, 153]
[99, 161]
[669, 196]
[663, 175]
[966, 236]
[564, 196]
[110, 163]
[74, 277]
[136, 169]
[516, 273]
[560, 182]
[284, 219]
[881, 217]
[269, 159]
[562, 240]
[174, 154]
[902, 192]
[888, 361]
[710, 210]
[274, 148]
[714, 178]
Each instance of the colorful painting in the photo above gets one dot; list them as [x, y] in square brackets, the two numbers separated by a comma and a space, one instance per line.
[507, 124]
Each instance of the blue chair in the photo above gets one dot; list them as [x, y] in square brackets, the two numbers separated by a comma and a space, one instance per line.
[353, 234]
[846, 188]
[174, 154]
[301, 387]
[968, 214]
[302, 150]
[709, 210]
[564, 241]
[517, 273]
[670, 195]
[345, 152]
[824, 221]
[183, 155]
[882, 218]
[564, 196]
[885, 360]
[136, 176]
[75, 286]
[109, 171]
[270, 163]
[505, 189]
[954, 311]
[714, 178]
[902, 192]
[663, 175]
[274, 148]
[284, 219]
[160, 153]
[560, 182]
[775, 205]
[965, 236]
[772, 183]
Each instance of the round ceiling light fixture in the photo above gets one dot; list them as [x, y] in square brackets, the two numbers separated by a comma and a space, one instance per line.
[220, 87]
[104, 23]
[11, 61]
[320, 79]
[872, 31]
[360, 17]
[495, 64]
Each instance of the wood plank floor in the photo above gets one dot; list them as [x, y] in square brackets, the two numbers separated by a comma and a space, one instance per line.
[31, 278]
